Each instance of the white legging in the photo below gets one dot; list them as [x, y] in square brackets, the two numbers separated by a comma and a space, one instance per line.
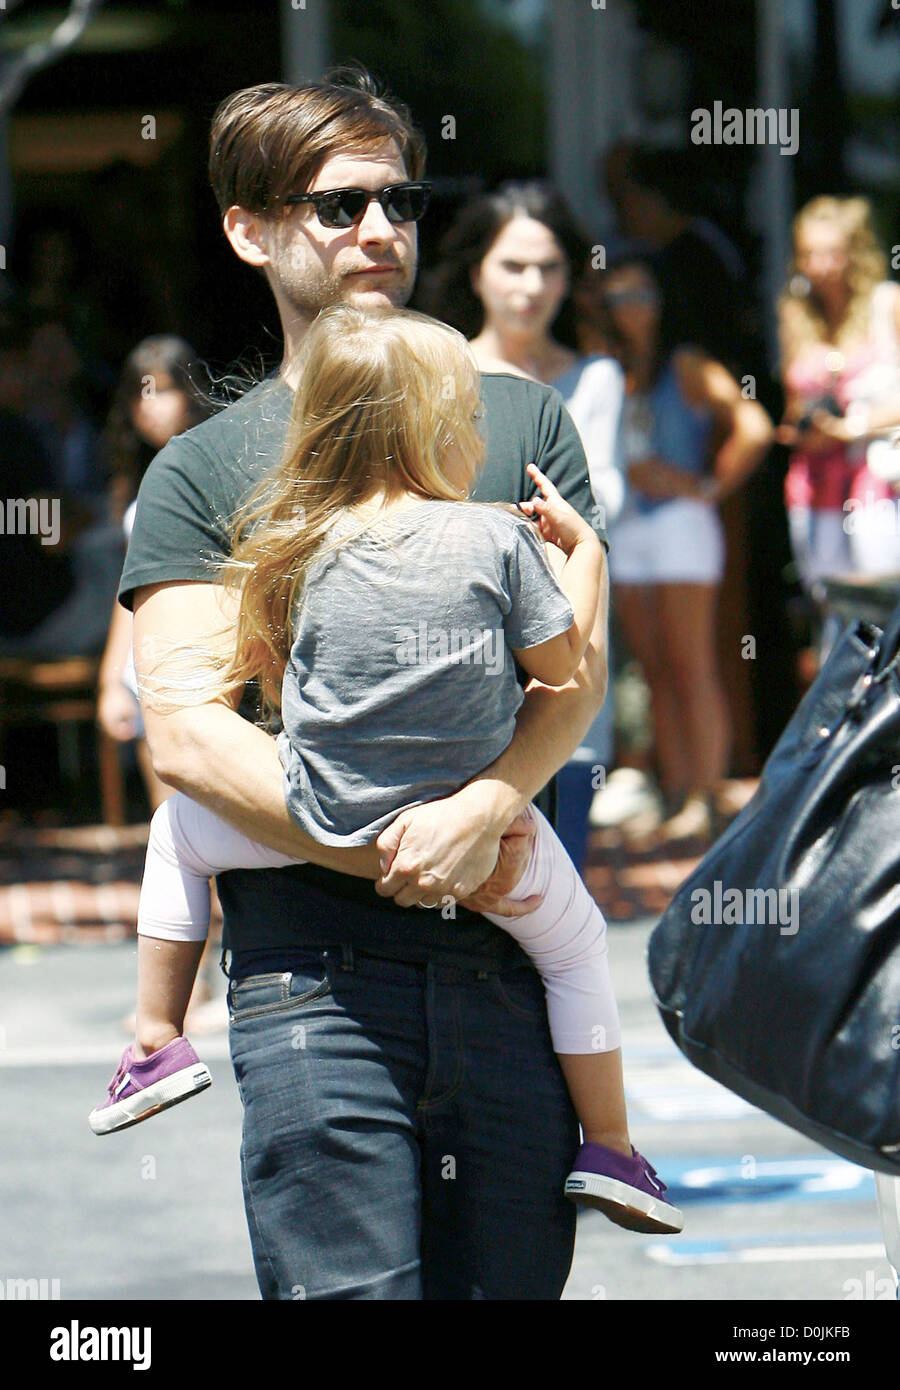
[565, 936]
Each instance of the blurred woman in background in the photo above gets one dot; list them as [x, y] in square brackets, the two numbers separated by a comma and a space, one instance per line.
[690, 438]
[839, 323]
[155, 400]
[504, 278]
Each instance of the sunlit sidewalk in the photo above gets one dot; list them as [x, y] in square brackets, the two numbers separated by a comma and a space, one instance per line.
[80, 885]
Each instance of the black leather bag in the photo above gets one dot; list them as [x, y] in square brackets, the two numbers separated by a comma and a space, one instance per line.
[776, 967]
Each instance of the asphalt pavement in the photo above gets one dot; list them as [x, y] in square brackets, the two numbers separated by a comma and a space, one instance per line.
[156, 1211]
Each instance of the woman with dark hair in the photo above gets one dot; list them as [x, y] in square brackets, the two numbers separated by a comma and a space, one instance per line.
[155, 399]
[690, 438]
[504, 279]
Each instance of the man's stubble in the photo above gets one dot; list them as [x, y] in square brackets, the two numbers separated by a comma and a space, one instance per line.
[309, 288]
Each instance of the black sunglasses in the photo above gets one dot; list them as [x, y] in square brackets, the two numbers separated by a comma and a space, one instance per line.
[346, 207]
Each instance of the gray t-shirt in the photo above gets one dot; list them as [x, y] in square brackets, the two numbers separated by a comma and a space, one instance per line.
[400, 684]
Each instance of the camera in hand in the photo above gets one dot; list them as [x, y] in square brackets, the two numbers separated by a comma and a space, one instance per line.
[826, 403]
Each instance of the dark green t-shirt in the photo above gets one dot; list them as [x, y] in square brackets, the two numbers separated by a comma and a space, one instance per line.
[182, 531]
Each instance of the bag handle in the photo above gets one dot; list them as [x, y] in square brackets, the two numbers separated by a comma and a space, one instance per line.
[887, 659]
[889, 644]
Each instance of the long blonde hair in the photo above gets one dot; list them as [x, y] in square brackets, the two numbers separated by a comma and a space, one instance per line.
[802, 319]
[382, 398]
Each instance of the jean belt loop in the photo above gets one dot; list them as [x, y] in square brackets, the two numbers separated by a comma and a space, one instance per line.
[347, 960]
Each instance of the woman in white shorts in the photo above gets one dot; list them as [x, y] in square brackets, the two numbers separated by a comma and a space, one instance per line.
[504, 278]
[690, 438]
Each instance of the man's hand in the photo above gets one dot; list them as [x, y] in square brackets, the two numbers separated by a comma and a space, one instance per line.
[466, 858]
[515, 851]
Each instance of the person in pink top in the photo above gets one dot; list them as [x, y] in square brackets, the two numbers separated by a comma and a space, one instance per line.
[840, 342]
[839, 323]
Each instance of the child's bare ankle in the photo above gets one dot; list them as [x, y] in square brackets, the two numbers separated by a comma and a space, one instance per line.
[151, 1037]
[614, 1139]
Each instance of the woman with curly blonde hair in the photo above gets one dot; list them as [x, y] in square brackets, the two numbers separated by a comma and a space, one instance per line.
[839, 322]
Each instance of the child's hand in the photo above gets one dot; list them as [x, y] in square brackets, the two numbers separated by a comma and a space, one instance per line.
[559, 522]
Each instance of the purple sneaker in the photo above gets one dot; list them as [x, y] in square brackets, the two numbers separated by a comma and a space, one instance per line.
[626, 1190]
[143, 1087]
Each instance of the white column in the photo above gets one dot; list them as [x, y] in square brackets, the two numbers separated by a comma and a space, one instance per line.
[304, 39]
[6, 202]
[590, 99]
[774, 192]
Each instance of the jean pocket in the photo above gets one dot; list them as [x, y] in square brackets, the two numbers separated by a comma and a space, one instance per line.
[521, 993]
[258, 995]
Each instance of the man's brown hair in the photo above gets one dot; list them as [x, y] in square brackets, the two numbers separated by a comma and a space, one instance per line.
[271, 140]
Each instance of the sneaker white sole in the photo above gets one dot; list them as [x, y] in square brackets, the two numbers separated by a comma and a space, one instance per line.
[181, 1085]
[625, 1205]
[610, 817]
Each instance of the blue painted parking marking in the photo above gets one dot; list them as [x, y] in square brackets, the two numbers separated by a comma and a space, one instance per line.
[661, 1085]
[770, 1249]
[692, 1181]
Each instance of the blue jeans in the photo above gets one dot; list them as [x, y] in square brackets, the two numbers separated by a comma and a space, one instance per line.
[407, 1131]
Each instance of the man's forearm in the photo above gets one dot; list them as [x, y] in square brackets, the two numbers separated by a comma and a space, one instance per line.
[212, 754]
[451, 846]
[549, 727]
[208, 751]
[231, 766]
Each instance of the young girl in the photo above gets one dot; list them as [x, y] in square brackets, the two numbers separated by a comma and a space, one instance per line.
[690, 438]
[380, 609]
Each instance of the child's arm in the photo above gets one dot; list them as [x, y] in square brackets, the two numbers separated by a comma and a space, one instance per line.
[555, 662]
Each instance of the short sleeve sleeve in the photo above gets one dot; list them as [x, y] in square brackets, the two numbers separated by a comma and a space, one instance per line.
[538, 608]
[176, 535]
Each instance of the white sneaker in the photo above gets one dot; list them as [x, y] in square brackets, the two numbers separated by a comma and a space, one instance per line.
[628, 793]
